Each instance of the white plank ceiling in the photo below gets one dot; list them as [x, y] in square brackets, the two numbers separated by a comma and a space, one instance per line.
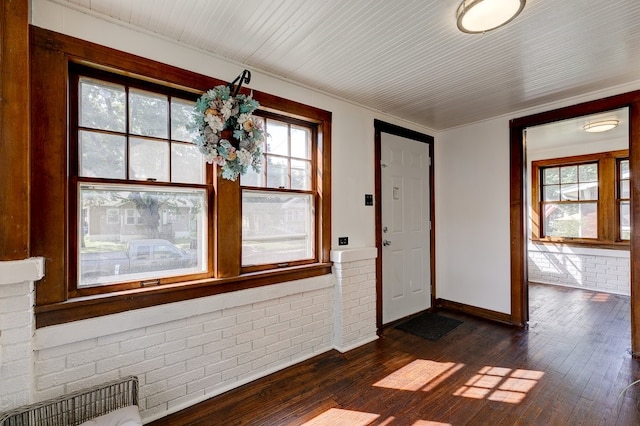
[406, 57]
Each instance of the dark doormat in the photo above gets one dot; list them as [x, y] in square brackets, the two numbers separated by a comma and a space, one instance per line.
[429, 325]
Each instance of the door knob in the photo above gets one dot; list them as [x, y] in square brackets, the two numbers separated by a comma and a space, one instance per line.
[386, 243]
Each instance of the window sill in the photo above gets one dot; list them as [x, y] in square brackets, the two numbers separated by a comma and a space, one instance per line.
[105, 304]
[609, 245]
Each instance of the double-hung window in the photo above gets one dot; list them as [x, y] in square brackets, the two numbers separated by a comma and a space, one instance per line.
[279, 202]
[570, 200]
[582, 199]
[126, 211]
[131, 150]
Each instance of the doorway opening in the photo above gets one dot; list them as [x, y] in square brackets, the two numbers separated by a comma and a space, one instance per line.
[578, 215]
[519, 175]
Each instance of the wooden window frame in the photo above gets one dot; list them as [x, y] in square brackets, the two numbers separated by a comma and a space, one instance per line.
[132, 217]
[608, 217]
[50, 55]
[315, 178]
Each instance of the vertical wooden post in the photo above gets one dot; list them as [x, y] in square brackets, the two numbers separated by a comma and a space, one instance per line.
[634, 166]
[14, 129]
[519, 286]
[228, 229]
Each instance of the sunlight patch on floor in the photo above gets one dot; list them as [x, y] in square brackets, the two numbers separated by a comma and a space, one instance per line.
[337, 416]
[419, 375]
[596, 297]
[500, 384]
[429, 423]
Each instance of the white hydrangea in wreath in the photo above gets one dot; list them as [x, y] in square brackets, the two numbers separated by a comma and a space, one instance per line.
[227, 134]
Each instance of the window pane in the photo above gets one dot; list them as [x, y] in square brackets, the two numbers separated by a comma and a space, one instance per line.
[261, 122]
[277, 227]
[625, 221]
[623, 176]
[277, 172]
[575, 220]
[148, 159]
[588, 191]
[277, 138]
[552, 193]
[148, 114]
[162, 233]
[252, 178]
[569, 174]
[569, 192]
[181, 111]
[300, 174]
[101, 155]
[624, 189]
[588, 173]
[101, 105]
[624, 169]
[300, 142]
[551, 176]
[187, 164]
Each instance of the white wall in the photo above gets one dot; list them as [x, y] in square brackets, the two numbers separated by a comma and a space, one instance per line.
[472, 215]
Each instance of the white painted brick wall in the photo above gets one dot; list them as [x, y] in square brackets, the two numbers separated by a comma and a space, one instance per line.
[16, 330]
[597, 269]
[355, 302]
[186, 352]
[217, 343]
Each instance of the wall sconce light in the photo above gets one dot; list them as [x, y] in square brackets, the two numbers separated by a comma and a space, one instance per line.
[480, 16]
[600, 126]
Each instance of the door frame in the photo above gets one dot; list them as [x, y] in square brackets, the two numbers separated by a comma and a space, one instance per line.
[383, 127]
[518, 205]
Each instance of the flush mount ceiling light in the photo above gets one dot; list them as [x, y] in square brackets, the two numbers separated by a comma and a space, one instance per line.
[480, 16]
[600, 126]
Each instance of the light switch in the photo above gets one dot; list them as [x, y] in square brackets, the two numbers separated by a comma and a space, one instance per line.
[368, 199]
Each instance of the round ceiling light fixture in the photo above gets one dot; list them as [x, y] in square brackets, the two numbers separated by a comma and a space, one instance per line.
[480, 16]
[600, 126]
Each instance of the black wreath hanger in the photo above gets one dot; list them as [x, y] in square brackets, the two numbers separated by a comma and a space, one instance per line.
[245, 77]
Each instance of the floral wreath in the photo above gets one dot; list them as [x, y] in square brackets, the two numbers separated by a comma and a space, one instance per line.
[217, 111]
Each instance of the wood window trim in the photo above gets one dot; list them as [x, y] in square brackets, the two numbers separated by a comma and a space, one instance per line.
[14, 130]
[608, 222]
[50, 55]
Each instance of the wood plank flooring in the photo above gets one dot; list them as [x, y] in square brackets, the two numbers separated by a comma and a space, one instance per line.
[567, 368]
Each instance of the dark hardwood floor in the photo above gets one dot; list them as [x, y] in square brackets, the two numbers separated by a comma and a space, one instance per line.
[567, 368]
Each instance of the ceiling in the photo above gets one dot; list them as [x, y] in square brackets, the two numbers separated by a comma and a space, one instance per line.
[406, 57]
[570, 132]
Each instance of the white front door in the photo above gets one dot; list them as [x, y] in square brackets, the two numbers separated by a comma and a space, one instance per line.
[406, 270]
